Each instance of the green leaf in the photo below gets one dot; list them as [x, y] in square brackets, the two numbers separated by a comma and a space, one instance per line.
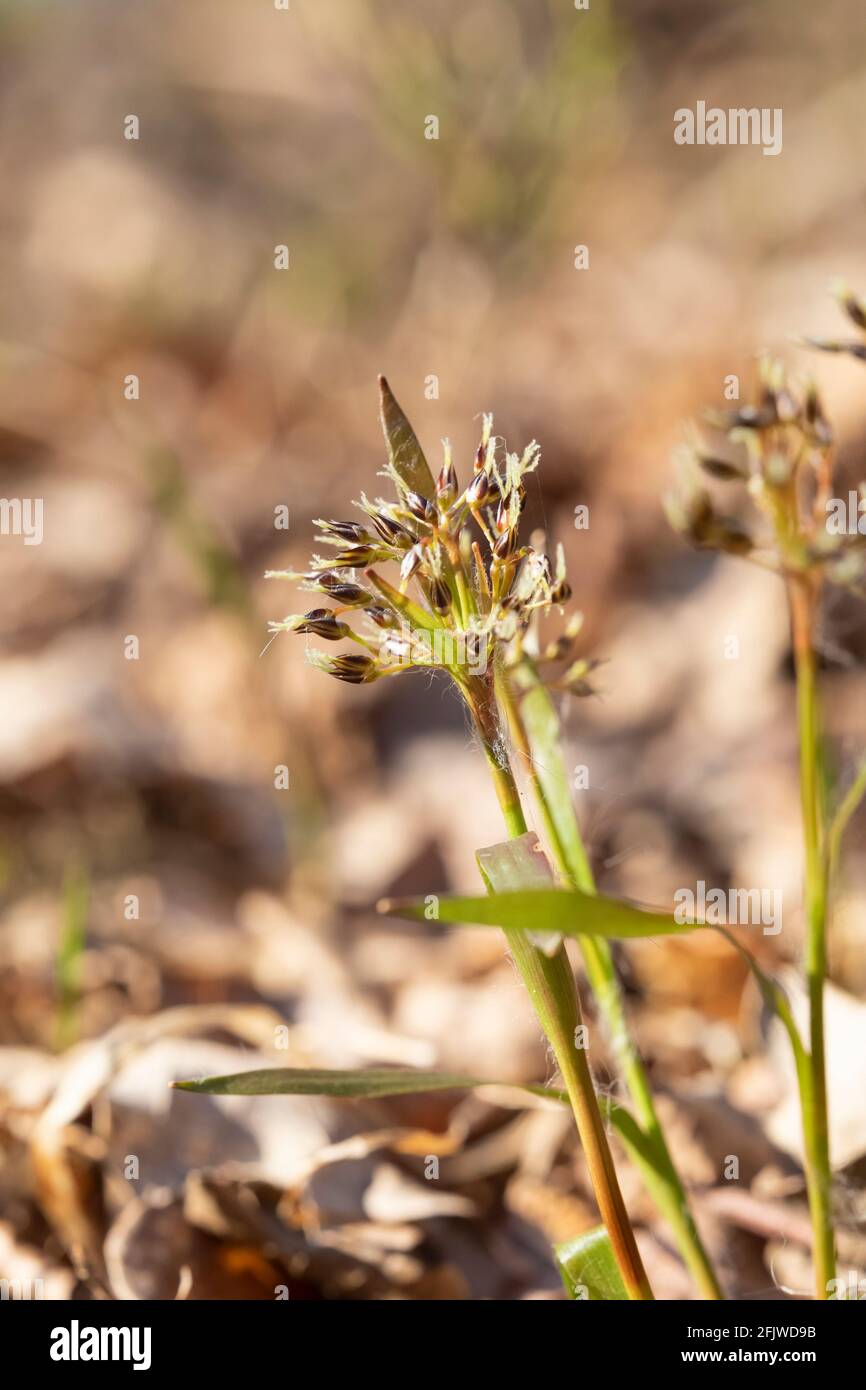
[567, 912]
[358, 1084]
[652, 1160]
[589, 1269]
[405, 455]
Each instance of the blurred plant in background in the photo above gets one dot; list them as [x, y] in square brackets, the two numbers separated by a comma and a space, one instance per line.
[785, 446]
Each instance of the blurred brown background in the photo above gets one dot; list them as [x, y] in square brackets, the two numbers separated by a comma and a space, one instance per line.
[147, 786]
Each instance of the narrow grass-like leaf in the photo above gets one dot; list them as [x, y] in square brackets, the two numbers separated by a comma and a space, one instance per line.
[376, 1083]
[369, 1084]
[565, 911]
[405, 455]
[588, 1268]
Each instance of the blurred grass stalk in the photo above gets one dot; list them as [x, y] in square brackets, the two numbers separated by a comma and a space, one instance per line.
[534, 728]
[226, 588]
[786, 445]
[70, 951]
[552, 989]
[803, 592]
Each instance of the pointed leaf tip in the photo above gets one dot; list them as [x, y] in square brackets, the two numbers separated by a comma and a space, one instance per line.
[405, 455]
[364, 1084]
[567, 912]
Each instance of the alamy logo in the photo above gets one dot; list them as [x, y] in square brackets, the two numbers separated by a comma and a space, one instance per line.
[738, 126]
[76, 1343]
[846, 518]
[22, 516]
[408, 646]
[18, 1289]
[738, 907]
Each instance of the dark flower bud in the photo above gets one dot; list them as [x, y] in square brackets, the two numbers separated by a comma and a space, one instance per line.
[853, 307]
[475, 644]
[502, 514]
[343, 589]
[575, 679]
[753, 417]
[322, 623]
[446, 485]
[439, 595]
[691, 514]
[411, 562]
[355, 668]
[345, 530]
[358, 555]
[420, 507]
[728, 535]
[694, 517]
[817, 421]
[382, 617]
[560, 647]
[478, 490]
[390, 530]
[721, 468]
[506, 544]
[561, 592]
[480, 455]
[857, 350]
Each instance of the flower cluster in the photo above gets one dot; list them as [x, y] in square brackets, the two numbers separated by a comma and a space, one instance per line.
[466, 591]
[780, 448]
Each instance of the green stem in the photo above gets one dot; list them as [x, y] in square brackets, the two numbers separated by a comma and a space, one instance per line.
[551, 986]
[802, 598]
[563, 833]
[401, 603]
